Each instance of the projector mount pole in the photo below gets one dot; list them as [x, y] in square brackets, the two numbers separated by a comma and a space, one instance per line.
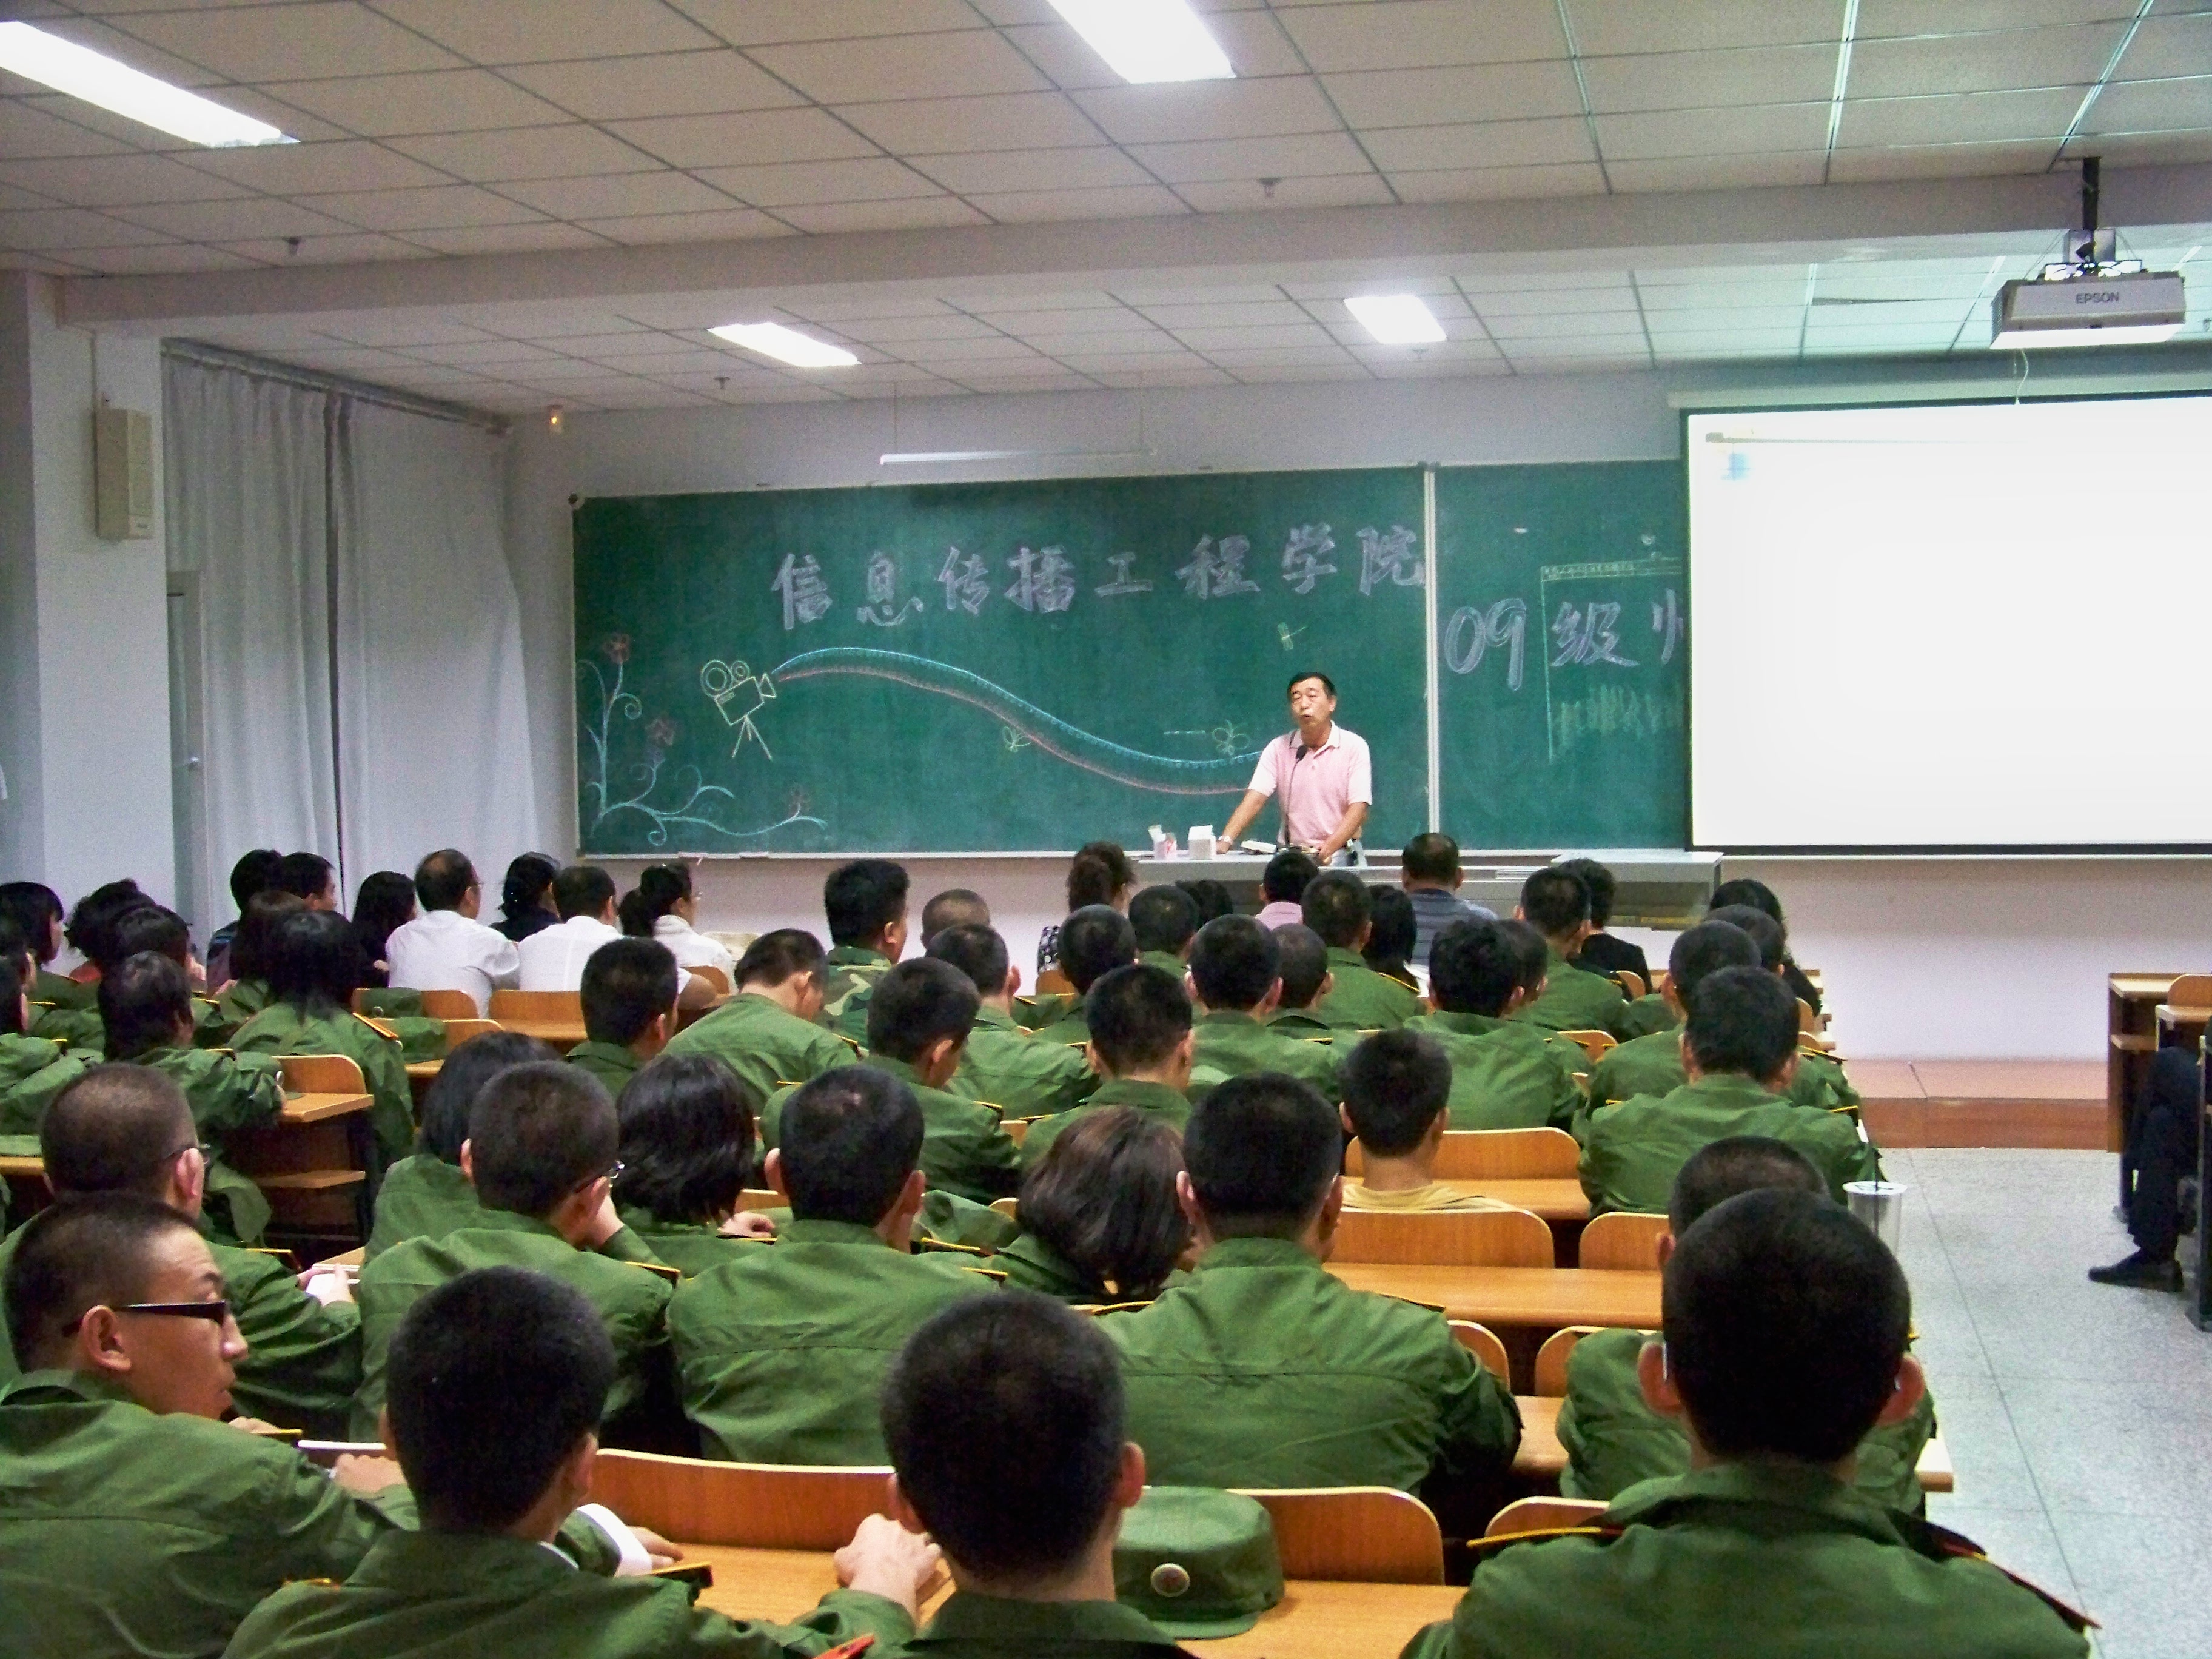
[2096, 246]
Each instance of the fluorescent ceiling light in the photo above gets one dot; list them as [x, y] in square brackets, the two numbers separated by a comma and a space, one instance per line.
[1148, 40]
[2027, 339]
[99, 79]
[786, 345]
[1396, 318]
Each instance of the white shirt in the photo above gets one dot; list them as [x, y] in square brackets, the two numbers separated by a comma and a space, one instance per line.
[553, 958]
[444, 950]
[1316, 787]
[691, 948]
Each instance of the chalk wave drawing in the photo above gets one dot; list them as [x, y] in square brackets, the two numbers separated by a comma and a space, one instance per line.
[1161, 773]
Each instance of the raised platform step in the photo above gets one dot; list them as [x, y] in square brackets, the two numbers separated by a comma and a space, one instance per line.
[1983, 1102]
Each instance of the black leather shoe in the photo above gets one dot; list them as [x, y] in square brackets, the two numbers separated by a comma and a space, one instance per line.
[2140, 1273]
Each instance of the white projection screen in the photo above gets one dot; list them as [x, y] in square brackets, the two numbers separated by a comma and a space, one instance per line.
[1954, 626]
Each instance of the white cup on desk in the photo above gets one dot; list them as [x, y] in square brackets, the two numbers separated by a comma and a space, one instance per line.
[1201, 841]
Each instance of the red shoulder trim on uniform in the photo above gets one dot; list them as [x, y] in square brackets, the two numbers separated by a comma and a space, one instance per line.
[1956, 1547]
[1484, 1546]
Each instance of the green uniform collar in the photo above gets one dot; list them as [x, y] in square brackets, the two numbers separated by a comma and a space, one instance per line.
[854, 956]
[43, 1387]
[425, 1566]
[798, 1231]
[1339, 957]
[996, 1622]
[1054, 1271]
[1460, 1024]
[898, 1068]
[25, 1056]
[611, 1054]
[1708, 1494]
[1166, 961]
[1230, 1253]
[1229, 1017]
[1728, 1089]
[997, 1020]
[1142, 1093]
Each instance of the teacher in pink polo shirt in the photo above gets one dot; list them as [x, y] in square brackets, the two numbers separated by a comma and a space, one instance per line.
[1320, 773]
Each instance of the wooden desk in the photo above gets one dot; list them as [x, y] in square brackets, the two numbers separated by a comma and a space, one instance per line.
[561, 1033]
[1314, 1620]
[312, 1162]
[1539, 1298]
[2131, 1002]
[1554, 1200]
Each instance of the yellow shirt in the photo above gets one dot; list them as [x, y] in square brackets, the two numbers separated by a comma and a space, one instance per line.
[1358, 1195]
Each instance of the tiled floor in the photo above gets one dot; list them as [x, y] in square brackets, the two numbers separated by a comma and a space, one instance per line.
[2079, 1417]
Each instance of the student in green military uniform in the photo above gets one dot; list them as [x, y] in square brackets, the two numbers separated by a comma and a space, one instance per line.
[1820, 1080]
[1339, 907]
[865, 903]
[686, 1154]
[541, 1152]
[1397, 1090]
[498, 1380]
[131, 1520]
[1093, 942]
[147, 1008]
[1506, 1073]
[66, 1010]
[1264, 1370]
[919, 1020]
[33, 1069]
[767, 1032]
[1302, 962]
[956, 907]
[315, 969]
[1101, 1220]
[1614, 1439]
[35, 910]
[427, 1193]
[252, 955]
[1141, 1042]
[1784, 1346]
[126, 1129]
[1236, 975]
[1005, 1421]
[783, 1351]
[1739, 1051]
[1555, 902]
[1021, 1074]
[1164, 919]
[629, 993]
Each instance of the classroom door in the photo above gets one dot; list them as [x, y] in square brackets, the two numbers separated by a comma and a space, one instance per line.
[187, 793]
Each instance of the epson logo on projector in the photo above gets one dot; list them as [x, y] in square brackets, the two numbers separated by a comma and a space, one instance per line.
[2101, 296]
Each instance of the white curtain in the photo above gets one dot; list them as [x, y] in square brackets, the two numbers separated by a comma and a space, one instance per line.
[433, 728]
[244, 470]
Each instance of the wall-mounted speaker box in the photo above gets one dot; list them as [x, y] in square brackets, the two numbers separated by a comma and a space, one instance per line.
[122, 474]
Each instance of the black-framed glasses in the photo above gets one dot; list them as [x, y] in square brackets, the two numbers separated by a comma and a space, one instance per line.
[215, 1313]
[205, 1151]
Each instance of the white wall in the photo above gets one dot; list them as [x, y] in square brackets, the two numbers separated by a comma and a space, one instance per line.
[1924, 958]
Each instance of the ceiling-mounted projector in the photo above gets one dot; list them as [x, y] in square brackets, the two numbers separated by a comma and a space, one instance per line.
[2092, 296]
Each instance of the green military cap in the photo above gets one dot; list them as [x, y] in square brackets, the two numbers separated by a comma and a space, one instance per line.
[1198, 1563]
[396, 1002]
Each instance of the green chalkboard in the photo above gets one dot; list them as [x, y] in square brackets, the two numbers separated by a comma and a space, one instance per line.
[985, 667]
[1563, 655]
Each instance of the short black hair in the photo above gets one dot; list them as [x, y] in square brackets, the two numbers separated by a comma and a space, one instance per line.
[686, 1138]
[492, 1381]
[1337, 906]
[538, 1133]
[1705, 950]
[582, 889]
[1092, 940]
[523, 887]
[84, 1251]
[385, 901]
[443, 879]
[1137, 1016]
[1285, 879]
[1555, 900]
[254, 873]
[12, 987]
[1785, 1319]
[1393, 930]
[626, 982]
[951, 908]
[1430, 856]
[1099, 870]
[1211, 896]
[848, 1141]
[1744, 889]
[1394, 1084]
[1103, 1197]
[1764, 932]
[1303, 964]
[1326, 683]
[1602, 884]
[308, 875]
[34, 907]
[115, 1130]
[1163, 918]
[444, 1114]
[149, 928]
[96, 913]
[918, 1002]
[253, 946]
[779, 956]
[1233, 961]
[1003, 1415]
[862, 898]
[660, 888]
[1739, 1163]
[976, 950]
[1262, 1150]
[316, 963]
[141, 1002]
[1531, 949]
[1741, 1020]
[1474, 968]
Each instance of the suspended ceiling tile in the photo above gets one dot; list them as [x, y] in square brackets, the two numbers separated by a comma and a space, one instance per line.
[1133, 364]
[1251, 196]
[1826, 313]
[70, 228]
[1067, 347]
[917, 213]
[1439, 368]
[896, 330]
[26, 131]
[626, 195]
[441, 100]
[1470, 349]
[1880, 18]
[1596, 304]
[545, 30]
[1248, 313]
[2175, 105]
[1780, 338]
[1419, 33]
[1660, 300]
[968, 62]
[1544, 348]
[2143, 149]
[1209, 109]
[1231, 339]
[1282, 357]
[231, 219]
[11, 196]
[1315, 153]
[1252, 43]
[543, 237]
[1982, 63]
[791, 184]
[1851, 167]
[747, 140]
[1479, 147]
[1718, 172]
[1498, 183]
[469, 353]
[294, 169]
[768, 22]
[1016, 121]
[1606, 27]
[291, 42]
[116, 181]
[444, 207]
[1720, 318]
[1128, 202]
[2166, 46]
[664, 83]
[1559, 324]
[159, 260]
[725, 224]
[1703, 80]
[567, 151]
[1744, 130]
[975, 349]
[1300, 374]
[1430, 97]
[1095, 167]
[1967, 118]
